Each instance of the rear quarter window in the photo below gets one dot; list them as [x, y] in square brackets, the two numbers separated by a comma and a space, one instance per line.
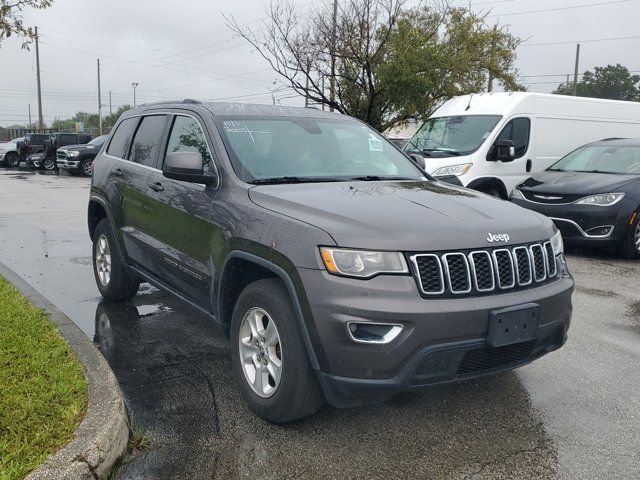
[121, 137]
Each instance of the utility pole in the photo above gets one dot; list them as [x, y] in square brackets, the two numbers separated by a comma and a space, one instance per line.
[575, 72]
[40, 121]
[29, 117]
[110, 112]
[491, 54]
[99, 102]
[332, 80]
[134, 85]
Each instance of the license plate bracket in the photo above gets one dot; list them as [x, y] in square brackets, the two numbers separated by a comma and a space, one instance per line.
[513, 325]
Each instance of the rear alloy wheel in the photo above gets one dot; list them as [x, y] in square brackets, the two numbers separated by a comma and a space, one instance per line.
[268, 356]
[49, 164]
[630, 246]
[87, 168]
[113, 277]
[12, 160]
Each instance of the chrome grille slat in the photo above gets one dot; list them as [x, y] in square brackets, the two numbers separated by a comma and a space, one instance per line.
[482, 271]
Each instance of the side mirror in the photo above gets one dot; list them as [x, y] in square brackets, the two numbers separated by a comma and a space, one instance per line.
[187, 167]
[418, 160]
[505, 151]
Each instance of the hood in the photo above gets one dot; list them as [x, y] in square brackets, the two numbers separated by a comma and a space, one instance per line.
[408, 216]
[78, 147]
[575, 183]
[6, 146]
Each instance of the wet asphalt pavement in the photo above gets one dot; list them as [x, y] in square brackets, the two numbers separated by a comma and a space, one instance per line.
[573, 414]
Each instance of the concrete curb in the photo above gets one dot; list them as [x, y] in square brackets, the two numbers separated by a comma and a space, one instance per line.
[103, 434]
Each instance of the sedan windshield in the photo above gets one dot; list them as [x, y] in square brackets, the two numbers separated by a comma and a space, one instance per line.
[446, 136]
[615, 159]
[300, 150]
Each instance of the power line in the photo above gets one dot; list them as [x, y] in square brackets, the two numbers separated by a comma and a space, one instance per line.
[573, 42]
[557, 9]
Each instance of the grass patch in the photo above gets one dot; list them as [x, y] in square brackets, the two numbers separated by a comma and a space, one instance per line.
[43, 393]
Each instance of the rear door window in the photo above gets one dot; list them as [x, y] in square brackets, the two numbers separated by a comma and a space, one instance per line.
[121, 137]
[146, 142]
[518, 131]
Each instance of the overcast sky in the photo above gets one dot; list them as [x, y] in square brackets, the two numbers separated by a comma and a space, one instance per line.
[177, 49]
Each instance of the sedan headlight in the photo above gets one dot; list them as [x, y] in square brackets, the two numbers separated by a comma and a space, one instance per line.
[557, 244]
[601, 200]
[453, 170]
[73, 153]
[362, 263]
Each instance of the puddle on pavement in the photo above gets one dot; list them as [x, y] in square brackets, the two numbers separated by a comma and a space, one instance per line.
[596, 292]
[146, 310]
[80, 260]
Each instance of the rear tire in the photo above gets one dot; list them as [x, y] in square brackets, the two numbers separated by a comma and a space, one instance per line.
[493, 191]
[264, 314]
[113, 277]
[12, 160]
[630, 245]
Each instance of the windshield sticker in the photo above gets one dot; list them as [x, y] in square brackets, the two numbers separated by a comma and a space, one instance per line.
[233, 126]
[375, 145]
[486, 135]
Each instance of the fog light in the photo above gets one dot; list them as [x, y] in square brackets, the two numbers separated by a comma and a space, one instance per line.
[602, 231]
[378, 333]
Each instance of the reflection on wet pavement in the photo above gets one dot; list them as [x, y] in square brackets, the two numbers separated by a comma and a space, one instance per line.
[175, 372]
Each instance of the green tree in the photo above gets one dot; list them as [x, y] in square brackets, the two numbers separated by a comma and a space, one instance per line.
[11, 22]
[110, 120]
[614, 82]
[391, 63]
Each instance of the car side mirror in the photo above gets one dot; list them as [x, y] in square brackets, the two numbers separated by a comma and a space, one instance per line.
[186, 167]
[418, 160]
[505, 151]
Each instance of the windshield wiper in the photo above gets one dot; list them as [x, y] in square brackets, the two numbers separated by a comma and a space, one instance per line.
[375, 178]
[428, 151]
[282, 180]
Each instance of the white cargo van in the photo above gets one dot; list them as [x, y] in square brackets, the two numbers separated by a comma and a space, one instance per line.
[493, 141]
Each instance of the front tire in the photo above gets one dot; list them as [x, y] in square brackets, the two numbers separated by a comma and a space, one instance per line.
[113, 278]
[49, 164]
[87, 168]
[630, 246]
[269, 359]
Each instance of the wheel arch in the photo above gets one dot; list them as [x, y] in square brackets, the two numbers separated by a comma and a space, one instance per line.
[237, 273]
[97, 210]
[489, 182]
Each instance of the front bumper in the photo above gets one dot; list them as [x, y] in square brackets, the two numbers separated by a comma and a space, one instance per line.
[67, 164]
[443, 340]
[585, 224]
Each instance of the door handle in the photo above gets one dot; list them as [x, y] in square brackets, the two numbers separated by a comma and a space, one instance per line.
[117, 172]
[529, 165]
[156, 186]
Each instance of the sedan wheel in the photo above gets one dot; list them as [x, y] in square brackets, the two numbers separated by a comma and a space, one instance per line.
[49, 164]
[637, 238]
[260, 352]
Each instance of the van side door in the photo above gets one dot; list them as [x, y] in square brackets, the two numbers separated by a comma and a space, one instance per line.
[519, 130]
[183, 239]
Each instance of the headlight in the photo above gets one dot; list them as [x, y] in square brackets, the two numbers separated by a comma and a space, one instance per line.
[557, 244]
[516, 193]
[73, 153]
[453, 170]
[362, 263]
[601, 200]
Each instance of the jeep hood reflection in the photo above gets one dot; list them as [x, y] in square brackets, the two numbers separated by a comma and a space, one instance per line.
[407, 216]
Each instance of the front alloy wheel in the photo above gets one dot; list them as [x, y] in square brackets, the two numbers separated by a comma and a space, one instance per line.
[260, 352]
[87, 168]
[49, 164]
[12, 160]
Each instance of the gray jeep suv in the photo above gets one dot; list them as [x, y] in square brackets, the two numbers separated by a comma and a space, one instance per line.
[338, 268]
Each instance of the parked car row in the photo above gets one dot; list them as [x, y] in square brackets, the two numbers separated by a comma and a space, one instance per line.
[510, 145]
[73, 152]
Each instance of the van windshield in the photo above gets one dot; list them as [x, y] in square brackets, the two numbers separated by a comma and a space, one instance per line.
[303, 150]
[450, 136]
[614, 159]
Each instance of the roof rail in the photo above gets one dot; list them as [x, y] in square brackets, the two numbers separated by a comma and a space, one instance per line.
[612, 138]
[164, 102]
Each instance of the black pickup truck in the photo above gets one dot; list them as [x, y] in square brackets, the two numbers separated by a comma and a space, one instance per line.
[47, 157]
[78, 159]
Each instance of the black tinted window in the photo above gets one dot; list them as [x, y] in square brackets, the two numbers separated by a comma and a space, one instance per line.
[517, 130]
[187, 136]
[144, 148]
[120, 139]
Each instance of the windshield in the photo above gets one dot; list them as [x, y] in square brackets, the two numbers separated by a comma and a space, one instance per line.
[98, 140]
[300, 149]
[458, 135]
[615, 159]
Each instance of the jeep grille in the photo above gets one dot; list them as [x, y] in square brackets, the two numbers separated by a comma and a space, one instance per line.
[482, 271]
